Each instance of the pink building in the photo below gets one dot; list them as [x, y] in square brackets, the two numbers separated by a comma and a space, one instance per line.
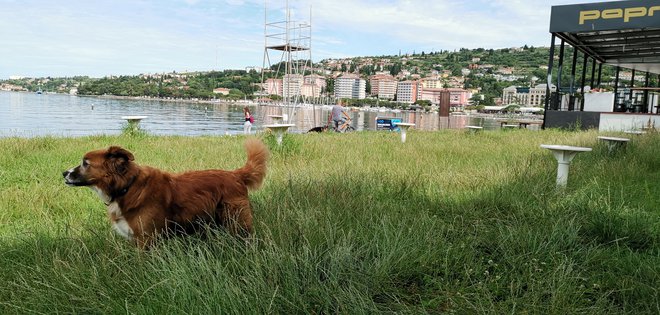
[274, 87]
[310, 90]
[383, 86]
[317, 80]
[408, 91]
[457, 97]
[222, 91]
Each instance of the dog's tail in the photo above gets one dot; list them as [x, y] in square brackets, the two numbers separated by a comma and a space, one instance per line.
[254, 171]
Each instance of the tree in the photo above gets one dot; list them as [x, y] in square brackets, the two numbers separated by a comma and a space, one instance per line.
[395, 69]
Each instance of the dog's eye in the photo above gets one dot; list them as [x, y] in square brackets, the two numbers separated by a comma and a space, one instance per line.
[84, 163]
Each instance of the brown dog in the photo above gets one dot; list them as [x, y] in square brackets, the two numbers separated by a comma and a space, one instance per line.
[144, 202]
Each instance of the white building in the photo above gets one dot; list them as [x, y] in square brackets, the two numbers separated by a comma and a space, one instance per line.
[524, 96]
[350, 86]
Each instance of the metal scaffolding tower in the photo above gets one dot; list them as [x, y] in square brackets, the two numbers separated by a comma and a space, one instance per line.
[291, 41]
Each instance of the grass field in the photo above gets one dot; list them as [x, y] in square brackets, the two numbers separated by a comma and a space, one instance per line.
[359, 223]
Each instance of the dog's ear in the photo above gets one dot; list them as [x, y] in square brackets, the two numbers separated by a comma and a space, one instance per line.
[118, 158]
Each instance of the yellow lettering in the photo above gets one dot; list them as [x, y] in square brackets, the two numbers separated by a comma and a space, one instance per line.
[589, 15]
[612, 14]
[633, 13]
[626, 14]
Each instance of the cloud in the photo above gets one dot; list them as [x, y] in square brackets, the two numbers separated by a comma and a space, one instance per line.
[127, 36]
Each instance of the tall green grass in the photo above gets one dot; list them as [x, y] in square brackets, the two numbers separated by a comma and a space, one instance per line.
[359, 223]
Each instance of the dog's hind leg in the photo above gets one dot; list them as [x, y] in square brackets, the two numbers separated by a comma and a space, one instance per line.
[236, 216]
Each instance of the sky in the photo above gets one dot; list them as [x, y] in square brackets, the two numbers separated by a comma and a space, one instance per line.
[97, 38]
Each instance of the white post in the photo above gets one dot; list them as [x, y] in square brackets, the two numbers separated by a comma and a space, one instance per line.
[562, 172]
[279, 133]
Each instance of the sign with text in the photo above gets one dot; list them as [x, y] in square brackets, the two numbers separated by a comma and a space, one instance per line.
[387, 123]
[602, 16]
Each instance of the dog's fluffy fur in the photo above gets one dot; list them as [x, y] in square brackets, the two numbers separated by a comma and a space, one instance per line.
[319, 129]
[144, 202]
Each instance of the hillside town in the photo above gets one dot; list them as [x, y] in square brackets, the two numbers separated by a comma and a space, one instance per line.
[473, 77]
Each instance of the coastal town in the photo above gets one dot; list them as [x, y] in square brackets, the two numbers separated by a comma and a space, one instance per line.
[474, 77]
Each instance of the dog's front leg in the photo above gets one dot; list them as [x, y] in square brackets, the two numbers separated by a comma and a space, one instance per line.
[147, 231]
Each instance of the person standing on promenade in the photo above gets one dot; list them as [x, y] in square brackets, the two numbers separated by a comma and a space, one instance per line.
[249, 119]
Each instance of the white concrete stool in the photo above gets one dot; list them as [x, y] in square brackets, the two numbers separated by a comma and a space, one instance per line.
[277, 119]
[564, 155]
[613, 143]
[404, 128]
[474, 129]
[133, 121]
[507, 127]
[279, 130]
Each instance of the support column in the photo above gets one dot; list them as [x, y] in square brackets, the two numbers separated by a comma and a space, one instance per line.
[645, 108]
[571, 102]
[600, 72]
[584, 77]
[616, 88]
[560, 65]
[632, 85]
[549, 79]
[593, 72]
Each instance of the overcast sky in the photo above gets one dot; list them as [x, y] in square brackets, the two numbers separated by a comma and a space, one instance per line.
[125, 37]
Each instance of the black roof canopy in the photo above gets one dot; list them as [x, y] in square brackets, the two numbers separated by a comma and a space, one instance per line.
[620, 33]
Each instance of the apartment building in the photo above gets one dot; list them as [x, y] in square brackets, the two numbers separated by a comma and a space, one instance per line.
[291, 85]
[350, 86]
[433, 82]
[525, 96]
[383, 86]
[313, 85]
[408, 91]
[273, 87]
[457, 97]
[310, 90]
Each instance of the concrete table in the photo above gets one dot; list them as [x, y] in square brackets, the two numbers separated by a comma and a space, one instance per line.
[474, 128]
[133, 121]
[506, 126]
[404, 128]
[277, 119]
[614, 143]
[279, 130]
[564, 155]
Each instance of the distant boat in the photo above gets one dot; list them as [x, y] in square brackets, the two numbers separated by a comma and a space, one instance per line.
[39, 91]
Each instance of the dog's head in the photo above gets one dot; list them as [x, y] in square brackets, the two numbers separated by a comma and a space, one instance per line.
[104, 169]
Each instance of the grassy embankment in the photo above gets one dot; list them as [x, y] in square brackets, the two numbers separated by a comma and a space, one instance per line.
[353, 223]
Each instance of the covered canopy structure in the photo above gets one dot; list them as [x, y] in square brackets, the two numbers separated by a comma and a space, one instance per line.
[619, 34]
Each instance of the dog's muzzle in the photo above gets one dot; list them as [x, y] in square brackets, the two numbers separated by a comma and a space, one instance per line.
[71, 180]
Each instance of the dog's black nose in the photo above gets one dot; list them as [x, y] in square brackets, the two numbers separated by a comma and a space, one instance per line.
[65, 173]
